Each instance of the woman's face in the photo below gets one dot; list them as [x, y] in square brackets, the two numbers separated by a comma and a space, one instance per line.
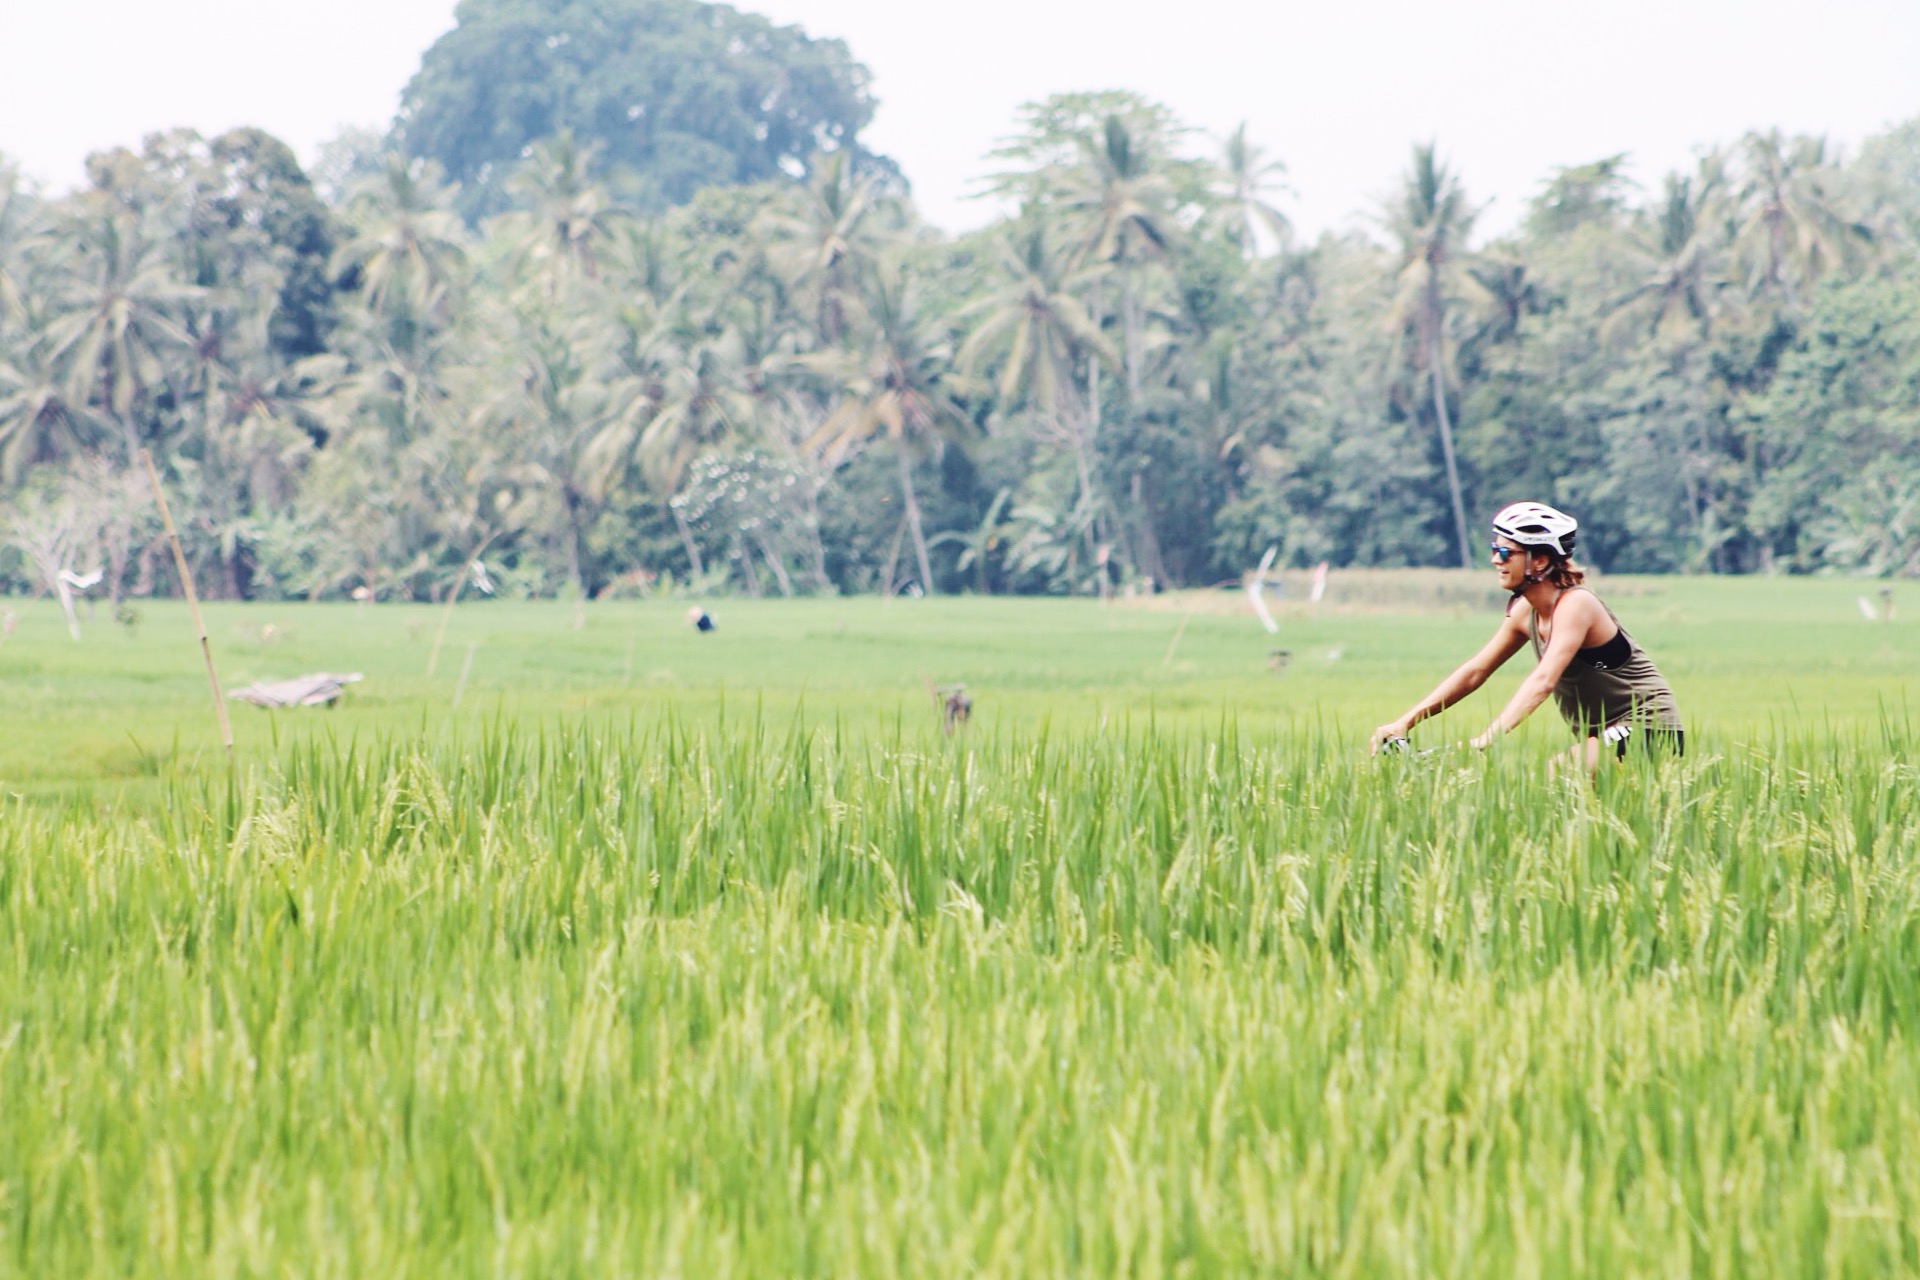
[1512, 570]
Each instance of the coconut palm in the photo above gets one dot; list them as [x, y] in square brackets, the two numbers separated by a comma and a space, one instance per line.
[37, 421]
[560, 222]
[1431, 220]
[114, 333]
[544, 398]
[408, 251]
[680, 390]
[1033, 322]
[22, 242]
[1246, 185]
[1118, 205]
[250, 438]
[902, 385]
[823, 238]
[1680, 254]
[1792, 228]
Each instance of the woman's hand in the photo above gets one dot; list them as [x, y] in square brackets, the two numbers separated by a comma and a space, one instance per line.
[1391, 731]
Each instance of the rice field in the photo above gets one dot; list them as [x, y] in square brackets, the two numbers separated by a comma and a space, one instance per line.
[652, 956]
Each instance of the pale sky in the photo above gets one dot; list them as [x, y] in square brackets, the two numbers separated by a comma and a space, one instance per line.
[1339, 92]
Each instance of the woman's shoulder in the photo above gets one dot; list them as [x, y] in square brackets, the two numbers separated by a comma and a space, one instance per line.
[1582, 596]
[1582, 605]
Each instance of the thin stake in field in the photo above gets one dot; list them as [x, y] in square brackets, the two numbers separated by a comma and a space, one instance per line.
[193, 599]
[1174, 643]
[466, 668]
[453, 597]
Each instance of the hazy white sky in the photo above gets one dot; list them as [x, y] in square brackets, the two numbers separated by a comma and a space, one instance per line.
[1509, 88]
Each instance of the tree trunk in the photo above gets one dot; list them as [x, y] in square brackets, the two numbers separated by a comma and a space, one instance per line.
[745, 556]
[576, 562]
[893, 559]
[1150, 558]
[913, 517]
[686, 541]
[816, 549]
[1130, 334]
[1081, 447]
[1446, 440]
[780, 575]
[1093, 361]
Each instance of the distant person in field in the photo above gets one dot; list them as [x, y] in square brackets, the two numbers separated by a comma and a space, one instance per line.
[700, 620]
[1606, 686]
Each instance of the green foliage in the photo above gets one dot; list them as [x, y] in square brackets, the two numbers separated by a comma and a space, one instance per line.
[1839, 433]
[1138, 380]
[677, 95]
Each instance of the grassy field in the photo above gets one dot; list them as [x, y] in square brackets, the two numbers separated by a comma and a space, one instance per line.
[132, 704]
[663, 953]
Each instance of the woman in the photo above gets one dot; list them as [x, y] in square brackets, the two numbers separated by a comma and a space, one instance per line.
[1605, 684]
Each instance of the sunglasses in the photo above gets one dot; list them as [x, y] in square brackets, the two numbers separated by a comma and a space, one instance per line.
[1502, 554]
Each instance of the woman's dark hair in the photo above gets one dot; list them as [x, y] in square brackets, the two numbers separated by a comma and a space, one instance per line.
[1562, 572]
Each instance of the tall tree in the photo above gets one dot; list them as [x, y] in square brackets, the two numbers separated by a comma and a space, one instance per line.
[406, 256]
[1244, 194]
[1679, 254]
[1034, 324]
[903, 386]
[1431, 220]
[114, 329]
[22, 242]
[1793, 229]
[561, 216]
[683, 393]
[677, 94]
[823, 238]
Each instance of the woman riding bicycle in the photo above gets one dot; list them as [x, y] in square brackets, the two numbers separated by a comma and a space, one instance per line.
[1605, 684]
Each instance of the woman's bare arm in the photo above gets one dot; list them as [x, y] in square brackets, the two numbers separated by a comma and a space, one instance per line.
[1575, 618]
[1508, 639]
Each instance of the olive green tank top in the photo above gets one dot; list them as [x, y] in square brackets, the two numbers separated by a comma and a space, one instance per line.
[1594, 697]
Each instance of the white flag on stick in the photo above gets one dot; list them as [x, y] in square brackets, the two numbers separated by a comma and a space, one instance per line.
[1257, 588]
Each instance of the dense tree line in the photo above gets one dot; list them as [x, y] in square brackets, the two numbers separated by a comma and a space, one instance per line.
[795, 386]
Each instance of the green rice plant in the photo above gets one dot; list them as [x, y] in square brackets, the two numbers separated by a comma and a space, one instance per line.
[759, 996]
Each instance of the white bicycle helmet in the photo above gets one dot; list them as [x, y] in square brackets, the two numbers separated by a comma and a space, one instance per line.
[1535, 524]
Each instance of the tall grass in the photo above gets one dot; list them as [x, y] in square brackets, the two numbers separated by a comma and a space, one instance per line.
[765, 1000]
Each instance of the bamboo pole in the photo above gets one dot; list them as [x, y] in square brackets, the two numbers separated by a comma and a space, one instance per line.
[453, 598]
[1174, 643]
[193, 600]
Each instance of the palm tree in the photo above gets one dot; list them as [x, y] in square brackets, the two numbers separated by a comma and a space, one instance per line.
[114, 328]
[395, 350]
[1792, 230]
[1118, 204]
[904, 386]
[1034, 320]
[681, 392]
[37, 419]
[562, 217]
[824, 239]
[1247, 183]
[1035, 323]
[1680, 256]
[250, 442]
[1431, 221]
[22, 238]
[408, 252]
[542, 417]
